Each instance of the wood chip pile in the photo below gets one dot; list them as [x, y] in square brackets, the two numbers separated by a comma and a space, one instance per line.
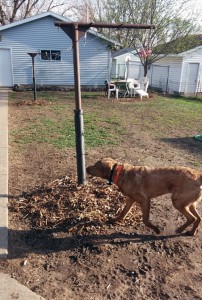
[28, 102]
[65, 204]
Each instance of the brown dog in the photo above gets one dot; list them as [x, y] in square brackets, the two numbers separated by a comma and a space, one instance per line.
[140, 184]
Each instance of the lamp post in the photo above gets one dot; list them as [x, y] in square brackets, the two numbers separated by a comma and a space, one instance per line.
[33, 54]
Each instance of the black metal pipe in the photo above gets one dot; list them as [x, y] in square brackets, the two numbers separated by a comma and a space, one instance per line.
[80, 146]
[33, 75]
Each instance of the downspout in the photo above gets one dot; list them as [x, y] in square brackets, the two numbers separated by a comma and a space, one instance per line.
[109, 64]
[180, 86]
[151, 76]
[167, 79]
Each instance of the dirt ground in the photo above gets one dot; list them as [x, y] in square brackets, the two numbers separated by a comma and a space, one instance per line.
[84, 257]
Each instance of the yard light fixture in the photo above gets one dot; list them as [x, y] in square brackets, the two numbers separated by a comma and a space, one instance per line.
[33, 54]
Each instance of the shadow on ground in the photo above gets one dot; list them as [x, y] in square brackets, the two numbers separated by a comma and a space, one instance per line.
[189, 144]
[49, 241]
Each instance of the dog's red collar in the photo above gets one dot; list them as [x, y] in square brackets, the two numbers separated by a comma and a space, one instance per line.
[116, 171]
[119, 169]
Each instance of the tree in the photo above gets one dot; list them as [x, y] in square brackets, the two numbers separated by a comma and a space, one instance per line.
[11, 11]
[172, 19]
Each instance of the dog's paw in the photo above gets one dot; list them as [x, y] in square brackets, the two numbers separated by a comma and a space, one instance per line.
[110, 221]
[113, 220]
[157, 230]
[189, 233]
[178, 230]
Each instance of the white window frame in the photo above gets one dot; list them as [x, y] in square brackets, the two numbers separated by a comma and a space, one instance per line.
[50, 54]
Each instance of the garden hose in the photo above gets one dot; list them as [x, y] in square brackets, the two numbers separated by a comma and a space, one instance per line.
[198, 137]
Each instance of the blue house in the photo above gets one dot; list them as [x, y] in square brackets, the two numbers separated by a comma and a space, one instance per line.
[54, 59]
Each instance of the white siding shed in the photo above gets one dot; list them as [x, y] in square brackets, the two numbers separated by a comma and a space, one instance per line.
[178, 73]
[125, 64]
[39, 34]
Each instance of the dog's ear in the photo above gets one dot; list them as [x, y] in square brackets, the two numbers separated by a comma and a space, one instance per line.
[108, 161]
[102, 168]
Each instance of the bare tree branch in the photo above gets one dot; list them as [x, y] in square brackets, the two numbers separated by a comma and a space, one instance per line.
[13, 10]
[169, 16]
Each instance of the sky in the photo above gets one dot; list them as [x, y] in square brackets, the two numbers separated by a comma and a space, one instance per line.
[194, 6]
[197, 8]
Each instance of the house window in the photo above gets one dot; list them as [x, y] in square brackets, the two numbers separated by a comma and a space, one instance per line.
[55, 55]
[51, 55]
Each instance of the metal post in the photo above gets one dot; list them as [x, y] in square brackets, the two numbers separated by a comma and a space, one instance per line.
[78, 117]
[80, 146]
[33, 73]
[75, 30]
[33, 76]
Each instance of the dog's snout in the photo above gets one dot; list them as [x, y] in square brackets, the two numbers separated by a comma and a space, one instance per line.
[88, 170]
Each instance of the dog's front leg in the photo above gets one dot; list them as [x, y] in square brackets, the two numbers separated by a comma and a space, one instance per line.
[124, 212]
[145, 207]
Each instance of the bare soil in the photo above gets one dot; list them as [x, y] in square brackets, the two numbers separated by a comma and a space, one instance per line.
[60, 244]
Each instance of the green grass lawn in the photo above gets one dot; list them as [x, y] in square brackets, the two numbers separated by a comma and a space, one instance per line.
[106, 122]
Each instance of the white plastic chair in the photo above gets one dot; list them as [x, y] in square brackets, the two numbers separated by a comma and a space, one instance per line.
[142, 90]
[111, 88]
[132, 86]
[144, 83]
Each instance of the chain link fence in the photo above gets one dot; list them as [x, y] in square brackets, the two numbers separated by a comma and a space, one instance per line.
[160, 78]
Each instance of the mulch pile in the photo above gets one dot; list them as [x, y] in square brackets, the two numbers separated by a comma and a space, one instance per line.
[77, 208]
[28, 102]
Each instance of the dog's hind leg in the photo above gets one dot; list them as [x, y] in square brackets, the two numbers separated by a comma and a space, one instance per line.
[185, 210]
[193, 210]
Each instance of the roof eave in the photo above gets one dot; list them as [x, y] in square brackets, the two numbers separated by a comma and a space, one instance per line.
[94, 32]
[54, 15]
[190, 50]
[33, 18]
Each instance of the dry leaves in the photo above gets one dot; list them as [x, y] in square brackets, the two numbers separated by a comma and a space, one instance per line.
[64, 204]
[32, 102]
